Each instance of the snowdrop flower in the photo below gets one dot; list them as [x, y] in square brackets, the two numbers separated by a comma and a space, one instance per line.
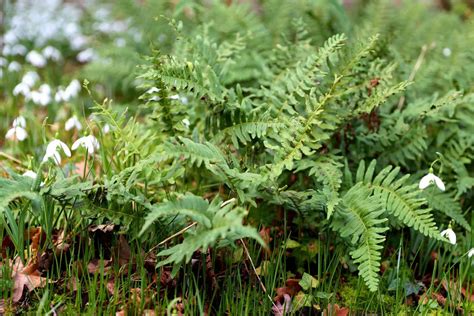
[16, 133]
[153, 90]
[52, 151]
[470, 253]
[73, 122]
[52, 53]
[174, 97]
[449, 233]
[22, 88]
[18, 49]
[19, 121]
[42, 96]
[14, 66]
[3, 62]
[89, 142]
[120, 42]
[36, 59]
[30, 78]
[106, 129]
[429, 179]
[72, 90]
[186, 122]
[86, 55]
[30, 174]
[61, 95]
[446, 52]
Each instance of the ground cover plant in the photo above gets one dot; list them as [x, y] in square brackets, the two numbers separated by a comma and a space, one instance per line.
[237, 157]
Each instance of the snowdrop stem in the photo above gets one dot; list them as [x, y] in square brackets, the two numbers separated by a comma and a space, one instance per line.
[84, 172]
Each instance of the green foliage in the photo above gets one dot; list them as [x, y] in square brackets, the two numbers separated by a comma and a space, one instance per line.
[215, 222]
[275, 108]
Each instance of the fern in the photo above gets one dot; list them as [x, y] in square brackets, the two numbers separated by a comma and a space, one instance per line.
[216, 221]
[358, 218]
[398, 198]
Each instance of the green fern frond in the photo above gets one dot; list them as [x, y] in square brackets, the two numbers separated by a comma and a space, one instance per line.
[215, 222]
[358, 218]
[326, 170]
[398, 198]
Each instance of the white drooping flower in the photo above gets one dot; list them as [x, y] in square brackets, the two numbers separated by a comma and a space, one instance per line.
[470, 253]
[89, 142]
[19, 121]
[186, 122]
[73, 122]
[86, 55]
[72, 90]
[52, 53]
[153, 90]
[23, 89]
[30, 174]
[36, 59]
[30, 78]
[14, 66]
[106, 128]
[449, 233]
[429, 179]
[42, 96]
[52, 151]
[16, 133]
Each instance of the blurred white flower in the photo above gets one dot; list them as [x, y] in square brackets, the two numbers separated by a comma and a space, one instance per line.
[106, 129]
[470, 253]
[52, 151]
[30, 78]
[120, 42]
[186, 122]
[86, 55]
[3, 61]
[447, 52]
[429, 179]
[153, 90]
[73, 122]
[72, 90]
[22, 88]
[89, 142]
[42, 96]
[14, 66]
[36, 59]
[61, 95]
[19, 122]
[174, 97]
[30, 174]
[449, 233]
[52, 53]
[16, 133]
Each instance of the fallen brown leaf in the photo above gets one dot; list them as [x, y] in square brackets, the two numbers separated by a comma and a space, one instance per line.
[23, 277]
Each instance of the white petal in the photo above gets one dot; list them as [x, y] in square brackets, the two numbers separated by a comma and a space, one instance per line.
[21, 134]
[10, 134]
[65, 148]
[439, 183]
[470, 253]
[19, 121]
[426, 181]
[450, 234]
[76, 144]
[30, 174]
